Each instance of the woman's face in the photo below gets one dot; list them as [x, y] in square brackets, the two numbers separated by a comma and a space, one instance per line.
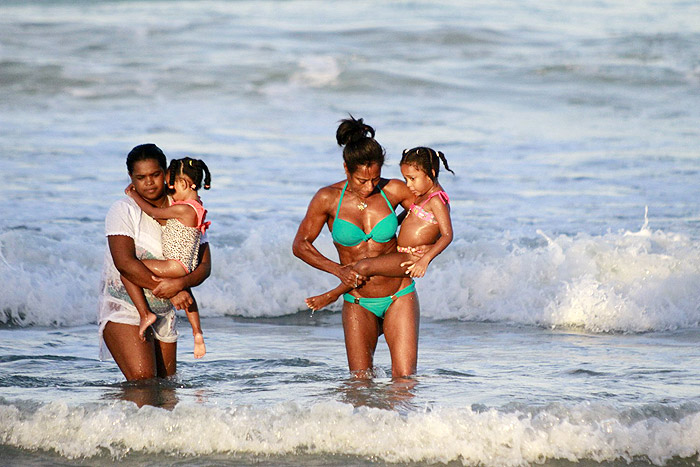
[364, 179]
[149, 179]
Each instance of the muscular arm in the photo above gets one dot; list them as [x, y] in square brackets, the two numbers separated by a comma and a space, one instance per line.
[317, 216]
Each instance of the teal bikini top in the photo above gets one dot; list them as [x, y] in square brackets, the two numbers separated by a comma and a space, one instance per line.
[348, 234]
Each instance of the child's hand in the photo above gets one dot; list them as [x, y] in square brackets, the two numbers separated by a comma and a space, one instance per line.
[418, 268]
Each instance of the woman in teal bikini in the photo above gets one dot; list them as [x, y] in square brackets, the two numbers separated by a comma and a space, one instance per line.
[359, 212]
[427, 229]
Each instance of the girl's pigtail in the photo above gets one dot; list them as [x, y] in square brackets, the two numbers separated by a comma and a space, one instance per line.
[173, 171]
[207, 175]
[444, 162]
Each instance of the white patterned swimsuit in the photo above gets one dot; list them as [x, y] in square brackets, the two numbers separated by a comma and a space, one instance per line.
[180, 242]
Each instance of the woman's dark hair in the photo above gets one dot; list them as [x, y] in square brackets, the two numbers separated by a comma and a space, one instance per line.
[360, 147]
[426, 159]
[144, 152]
[195, 169]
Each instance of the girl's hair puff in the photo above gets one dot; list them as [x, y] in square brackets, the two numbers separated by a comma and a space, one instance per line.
[195, 169]
[359, 146]
[426, 159]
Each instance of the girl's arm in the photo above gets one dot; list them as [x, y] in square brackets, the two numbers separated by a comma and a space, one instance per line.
[183, 213]
[310, 228]
[442, 215]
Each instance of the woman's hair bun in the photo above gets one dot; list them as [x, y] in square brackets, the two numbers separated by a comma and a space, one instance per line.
[351, 130]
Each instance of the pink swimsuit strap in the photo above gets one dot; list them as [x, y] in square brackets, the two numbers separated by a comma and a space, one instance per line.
[443, 197]
[425, 215]
[201, 213]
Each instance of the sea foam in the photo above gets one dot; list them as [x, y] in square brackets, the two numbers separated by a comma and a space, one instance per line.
[616, 282]
[467, 435]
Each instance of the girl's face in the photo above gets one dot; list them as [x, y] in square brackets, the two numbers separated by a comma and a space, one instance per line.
[418, 181]
[149, 179]
[364, 179]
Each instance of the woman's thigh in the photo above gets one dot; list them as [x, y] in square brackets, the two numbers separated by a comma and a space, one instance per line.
[361, 329]
[135, 358]
[401, 324]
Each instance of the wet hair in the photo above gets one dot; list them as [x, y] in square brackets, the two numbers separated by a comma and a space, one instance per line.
[195, 169]
[426, 159]
[144, 152]
[359, 146]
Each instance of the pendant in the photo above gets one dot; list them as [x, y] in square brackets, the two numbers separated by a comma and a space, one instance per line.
[361, 205]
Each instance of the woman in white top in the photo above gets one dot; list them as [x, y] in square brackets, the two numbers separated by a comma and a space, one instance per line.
[131, 236]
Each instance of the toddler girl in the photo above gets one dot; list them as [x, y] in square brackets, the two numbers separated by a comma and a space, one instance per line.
[184, 227]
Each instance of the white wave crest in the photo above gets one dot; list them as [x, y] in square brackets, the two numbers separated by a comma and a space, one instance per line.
[625, 281]
[616, 282]
[489, 437]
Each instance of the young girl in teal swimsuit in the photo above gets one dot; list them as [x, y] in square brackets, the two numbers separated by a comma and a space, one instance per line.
[425, 232]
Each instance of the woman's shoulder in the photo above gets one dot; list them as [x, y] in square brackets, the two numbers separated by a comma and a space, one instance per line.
[391, 184]
[329, 194]
[122, 218]
[123, 207]
[395, 188]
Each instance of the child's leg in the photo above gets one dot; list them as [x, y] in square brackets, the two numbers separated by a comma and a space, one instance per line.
[385, 265]
[388, 265]
[320, 301]
[139, 300]
[193, 317]
[165, 267]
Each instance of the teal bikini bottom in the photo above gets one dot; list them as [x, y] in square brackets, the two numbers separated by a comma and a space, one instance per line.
[379, 305]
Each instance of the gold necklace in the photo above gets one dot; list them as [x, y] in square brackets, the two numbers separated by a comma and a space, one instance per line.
[361, 205]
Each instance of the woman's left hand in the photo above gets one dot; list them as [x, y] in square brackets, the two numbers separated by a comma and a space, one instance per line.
[182, 300]
[167, 287]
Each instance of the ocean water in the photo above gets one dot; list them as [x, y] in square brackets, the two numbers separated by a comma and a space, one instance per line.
[561, 327]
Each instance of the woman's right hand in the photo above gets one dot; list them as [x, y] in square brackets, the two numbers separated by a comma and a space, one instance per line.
[350, 277]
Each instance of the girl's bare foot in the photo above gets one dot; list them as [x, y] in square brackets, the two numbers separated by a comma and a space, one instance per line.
[146, 321]
[199, 348]
[321, 301]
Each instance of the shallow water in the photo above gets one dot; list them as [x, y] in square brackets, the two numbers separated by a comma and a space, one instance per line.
[560, 327]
